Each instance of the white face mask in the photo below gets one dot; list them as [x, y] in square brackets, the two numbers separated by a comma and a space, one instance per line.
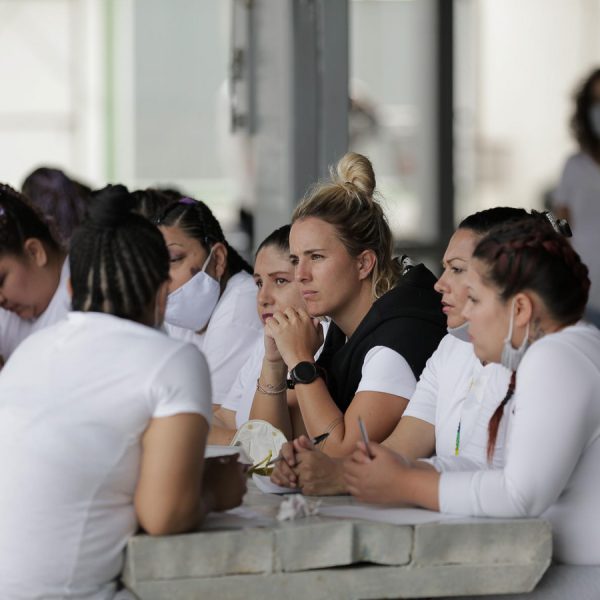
[511, 357]
[191, 305]
[461, 332]
[594, 115]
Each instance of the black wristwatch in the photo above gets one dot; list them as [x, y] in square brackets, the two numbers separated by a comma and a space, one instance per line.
[303, 372]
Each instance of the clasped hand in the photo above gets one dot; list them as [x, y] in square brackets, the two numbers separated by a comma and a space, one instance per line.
[297, 336]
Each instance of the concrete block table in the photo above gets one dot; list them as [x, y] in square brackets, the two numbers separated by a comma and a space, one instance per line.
[331, 558]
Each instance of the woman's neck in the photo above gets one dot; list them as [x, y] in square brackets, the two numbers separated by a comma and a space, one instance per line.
[349, 317]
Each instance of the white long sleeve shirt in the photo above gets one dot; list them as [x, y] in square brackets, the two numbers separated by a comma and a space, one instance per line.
[552, 448]
[455, 388]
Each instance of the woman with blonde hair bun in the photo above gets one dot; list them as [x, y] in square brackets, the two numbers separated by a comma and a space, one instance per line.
[385, 318]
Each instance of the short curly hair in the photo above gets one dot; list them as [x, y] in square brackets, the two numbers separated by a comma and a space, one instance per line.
[581, 125]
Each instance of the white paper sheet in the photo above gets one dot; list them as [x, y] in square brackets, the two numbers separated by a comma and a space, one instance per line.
[382, 514]
[265, 485]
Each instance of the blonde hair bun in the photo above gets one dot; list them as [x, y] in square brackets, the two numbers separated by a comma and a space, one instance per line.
[357, 170]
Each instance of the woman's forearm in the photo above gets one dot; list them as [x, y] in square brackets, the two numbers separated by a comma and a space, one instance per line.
[321, 414]
[270, 398]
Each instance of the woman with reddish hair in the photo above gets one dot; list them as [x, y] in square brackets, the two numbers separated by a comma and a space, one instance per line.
[527, 293]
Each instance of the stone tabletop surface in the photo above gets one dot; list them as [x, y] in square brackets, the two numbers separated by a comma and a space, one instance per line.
[247, 553]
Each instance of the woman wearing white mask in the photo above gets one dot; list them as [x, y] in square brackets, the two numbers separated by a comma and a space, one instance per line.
[577, 197]
[212, 295]
[527, 292]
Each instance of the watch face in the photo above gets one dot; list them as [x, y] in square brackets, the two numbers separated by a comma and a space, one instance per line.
[305, 372]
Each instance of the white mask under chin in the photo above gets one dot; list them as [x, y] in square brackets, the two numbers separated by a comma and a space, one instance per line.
[461, 332]
[191, 305]
[511, 357]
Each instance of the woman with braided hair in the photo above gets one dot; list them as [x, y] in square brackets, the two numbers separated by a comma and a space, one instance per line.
[527, 293]
[33, 272]
[109, 433]
[212, 294]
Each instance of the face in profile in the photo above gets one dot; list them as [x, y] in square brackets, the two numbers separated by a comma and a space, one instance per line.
[452, 283]
[487, 314]
[23, 288]
[326, 273]
[274, 277]
[186, 255]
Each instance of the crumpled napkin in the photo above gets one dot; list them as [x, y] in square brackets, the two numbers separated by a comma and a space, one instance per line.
[297, 507]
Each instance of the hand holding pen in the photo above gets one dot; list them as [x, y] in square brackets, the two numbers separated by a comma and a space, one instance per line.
[365, 437]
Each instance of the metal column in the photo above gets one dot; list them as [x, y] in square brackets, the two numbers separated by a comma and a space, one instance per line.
[301, 104]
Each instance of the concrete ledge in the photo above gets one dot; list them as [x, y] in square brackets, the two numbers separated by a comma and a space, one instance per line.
[358, 583]
[198, 555]
[249, 554]
[480, 541]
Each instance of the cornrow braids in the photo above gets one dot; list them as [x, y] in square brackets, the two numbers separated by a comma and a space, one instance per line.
[197, 221]
[19, 221]
[118, 259]
[494, 423]
[530, 255]
[151, 203]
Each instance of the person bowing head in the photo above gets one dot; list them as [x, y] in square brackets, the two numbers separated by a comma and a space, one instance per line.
[212, 296]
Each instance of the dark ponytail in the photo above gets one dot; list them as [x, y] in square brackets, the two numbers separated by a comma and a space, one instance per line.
[494, 423]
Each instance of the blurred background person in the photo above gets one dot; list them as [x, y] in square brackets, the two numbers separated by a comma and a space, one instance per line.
[61, 199]
[577, 197]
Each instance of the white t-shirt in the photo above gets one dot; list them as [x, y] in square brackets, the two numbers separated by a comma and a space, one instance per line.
[230, 335]
[385, 370]
[76, 400]
[456, 388]
[241, 395]
[13, 329]
[552, 451]
[579, 191]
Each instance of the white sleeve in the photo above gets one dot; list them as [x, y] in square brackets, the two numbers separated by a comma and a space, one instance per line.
[563, 194]
[548, 429]
[385, 370]
[423, 402]
[240, 396]
[227, 348]
[182, 385]
[444, 464]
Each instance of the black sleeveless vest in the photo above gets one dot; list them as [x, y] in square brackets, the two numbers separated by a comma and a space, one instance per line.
[407, 319]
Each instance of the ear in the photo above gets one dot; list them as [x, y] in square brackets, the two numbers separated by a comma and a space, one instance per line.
[35, 252]
[523, 309]
[219, 251]
[366, 262]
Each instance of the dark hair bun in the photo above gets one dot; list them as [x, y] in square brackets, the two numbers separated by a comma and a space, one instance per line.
[110, 207]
